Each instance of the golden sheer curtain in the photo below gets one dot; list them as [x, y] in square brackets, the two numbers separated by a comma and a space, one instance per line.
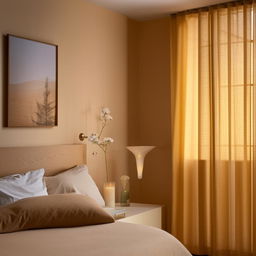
[213, 75]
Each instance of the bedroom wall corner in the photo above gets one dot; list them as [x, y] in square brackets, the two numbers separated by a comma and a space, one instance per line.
[151, 119]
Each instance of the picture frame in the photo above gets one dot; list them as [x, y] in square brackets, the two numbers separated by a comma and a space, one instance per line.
[32, 83]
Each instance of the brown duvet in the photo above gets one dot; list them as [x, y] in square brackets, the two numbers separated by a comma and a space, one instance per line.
[114, 239]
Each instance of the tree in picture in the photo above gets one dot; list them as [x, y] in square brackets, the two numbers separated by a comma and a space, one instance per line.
[45, 115]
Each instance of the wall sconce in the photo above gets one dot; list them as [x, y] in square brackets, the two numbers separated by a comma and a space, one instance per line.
[140, 152]
[82, 136]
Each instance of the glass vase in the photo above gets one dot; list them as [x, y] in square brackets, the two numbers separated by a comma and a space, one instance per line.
[125, 191]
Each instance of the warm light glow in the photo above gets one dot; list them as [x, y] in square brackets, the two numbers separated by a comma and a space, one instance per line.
[213, 142]
[140, 152]
[233, 88]
[109, 194]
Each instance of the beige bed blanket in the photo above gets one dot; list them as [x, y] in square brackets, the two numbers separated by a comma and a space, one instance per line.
[115, 239]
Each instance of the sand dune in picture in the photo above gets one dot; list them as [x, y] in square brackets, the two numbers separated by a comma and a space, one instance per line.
[22, 101]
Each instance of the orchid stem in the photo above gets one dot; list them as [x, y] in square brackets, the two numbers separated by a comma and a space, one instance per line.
[103, 143]
[102, 128]
[106, 163]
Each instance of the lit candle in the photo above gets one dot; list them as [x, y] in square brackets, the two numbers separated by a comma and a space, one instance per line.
[109, 194]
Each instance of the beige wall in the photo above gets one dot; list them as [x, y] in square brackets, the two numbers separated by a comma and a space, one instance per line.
[104, 60]
[92, 72]
[149, 122]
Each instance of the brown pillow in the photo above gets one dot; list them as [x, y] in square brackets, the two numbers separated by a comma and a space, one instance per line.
[52, 211]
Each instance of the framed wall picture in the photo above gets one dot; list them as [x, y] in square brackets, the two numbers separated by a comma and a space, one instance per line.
[32, 83]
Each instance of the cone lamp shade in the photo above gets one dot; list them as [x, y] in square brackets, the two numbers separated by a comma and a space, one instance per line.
[140, 152]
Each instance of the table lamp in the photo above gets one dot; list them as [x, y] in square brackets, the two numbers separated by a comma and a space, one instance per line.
[140, 152]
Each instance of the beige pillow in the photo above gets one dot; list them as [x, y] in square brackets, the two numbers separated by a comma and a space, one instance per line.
[75, 180]
[53, 211]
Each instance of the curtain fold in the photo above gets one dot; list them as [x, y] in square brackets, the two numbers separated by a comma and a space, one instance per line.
[213, 84]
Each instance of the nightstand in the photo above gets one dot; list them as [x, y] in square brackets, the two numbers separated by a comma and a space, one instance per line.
[146, 214]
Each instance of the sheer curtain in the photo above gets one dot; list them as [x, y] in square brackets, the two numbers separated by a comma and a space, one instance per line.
[214, 129]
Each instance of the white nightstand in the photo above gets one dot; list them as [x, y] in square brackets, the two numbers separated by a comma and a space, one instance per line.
[146, 214]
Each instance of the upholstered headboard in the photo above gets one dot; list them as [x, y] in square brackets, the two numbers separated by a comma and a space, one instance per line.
[52, 158]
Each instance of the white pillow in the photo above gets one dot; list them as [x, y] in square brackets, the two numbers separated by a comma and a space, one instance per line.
[75, 180]
[19, 186]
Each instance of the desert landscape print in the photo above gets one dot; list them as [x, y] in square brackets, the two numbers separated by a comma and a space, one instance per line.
[32, 83]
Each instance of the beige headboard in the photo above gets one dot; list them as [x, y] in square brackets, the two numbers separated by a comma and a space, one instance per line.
[52, 158]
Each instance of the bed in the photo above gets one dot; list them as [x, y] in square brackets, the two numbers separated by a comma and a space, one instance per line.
[115, 239]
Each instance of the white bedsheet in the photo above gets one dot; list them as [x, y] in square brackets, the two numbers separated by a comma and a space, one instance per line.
[115, 239]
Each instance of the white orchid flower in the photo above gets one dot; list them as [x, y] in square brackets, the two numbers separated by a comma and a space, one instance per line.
[105, 114]
[94, 138]
[108, 140]
[108, 117]
[106, 111]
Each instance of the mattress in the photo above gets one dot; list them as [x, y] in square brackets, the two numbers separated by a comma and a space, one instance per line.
[114, 239]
